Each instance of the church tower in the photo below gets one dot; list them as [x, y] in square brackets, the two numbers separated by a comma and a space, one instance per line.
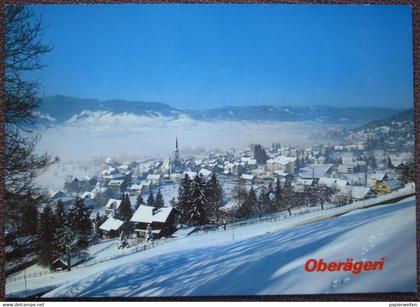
[176, 150]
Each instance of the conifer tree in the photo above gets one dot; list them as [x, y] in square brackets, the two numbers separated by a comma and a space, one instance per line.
[214, 197]
[247, 209]
[124, 211]
[259, 154]
[139, 201]
[29, 221]
[184, 198]
[240, 193]
[159, 202]
[151, 200]
[63, 234]
[278, 196]
[79, 218]
[263, 203]
[197, 213]
[47, 250]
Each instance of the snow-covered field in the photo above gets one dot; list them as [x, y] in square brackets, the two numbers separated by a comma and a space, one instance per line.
[259, 259]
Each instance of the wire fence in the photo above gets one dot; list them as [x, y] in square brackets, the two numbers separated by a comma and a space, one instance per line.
[405, 192]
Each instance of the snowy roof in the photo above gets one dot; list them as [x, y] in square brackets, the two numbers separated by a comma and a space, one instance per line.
[281, 173]
[333, 182]
[21, 241]
[252, 162]
[247, 177]
[205, 172]
[111, 224]
[144, 214]
[304, 181]
[116, 182]
[393, 184]
[282, 160]
[190, 174]
[115, 203]
[136, 187]
[318, 170]
[379, 176]
[153, 177]
[74, 260]
[355, 192]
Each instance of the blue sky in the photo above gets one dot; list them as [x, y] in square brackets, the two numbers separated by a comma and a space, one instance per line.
[205, 56]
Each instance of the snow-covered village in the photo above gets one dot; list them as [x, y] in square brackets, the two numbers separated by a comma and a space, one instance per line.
[130, 207]
[248, 163]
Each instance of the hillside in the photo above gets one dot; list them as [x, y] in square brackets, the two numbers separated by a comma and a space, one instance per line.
[272, 263]
[264, 258]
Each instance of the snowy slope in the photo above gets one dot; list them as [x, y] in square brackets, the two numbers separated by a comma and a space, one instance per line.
[272, 263]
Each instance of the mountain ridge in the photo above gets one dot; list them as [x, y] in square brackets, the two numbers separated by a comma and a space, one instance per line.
[62, 108]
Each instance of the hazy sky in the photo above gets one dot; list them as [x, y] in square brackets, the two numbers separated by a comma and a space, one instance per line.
[204, 56]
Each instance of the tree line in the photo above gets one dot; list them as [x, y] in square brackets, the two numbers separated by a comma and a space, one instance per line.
[276, 198]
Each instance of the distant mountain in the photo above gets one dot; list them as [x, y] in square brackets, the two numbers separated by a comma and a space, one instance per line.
[404, 118]
[63, 108]
[395, 132]
[59, 109]
[313, 113]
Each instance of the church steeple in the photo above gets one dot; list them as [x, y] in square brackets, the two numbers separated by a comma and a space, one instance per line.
[176, 150]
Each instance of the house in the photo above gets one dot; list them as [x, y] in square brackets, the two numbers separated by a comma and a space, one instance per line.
[248, 178]
[315, 170]
[136, 188]
[333, 183]
[89, 203]
[111, 228]
[161, 221]
[287, 164]
[399, 161]
[64, 263]
[386, 186]
[111, 205]
[378, 177]
[355, 193]
[154, 179]
[117, 185]
[236, 168]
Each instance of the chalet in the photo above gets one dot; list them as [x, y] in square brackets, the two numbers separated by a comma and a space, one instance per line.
[111, 228]
[161, 220]
[386, 186]
[378, 178]
[355, 193]
[315, 170]
[66, 263]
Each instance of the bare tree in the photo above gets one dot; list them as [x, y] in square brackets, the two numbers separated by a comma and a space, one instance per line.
[23, 53]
